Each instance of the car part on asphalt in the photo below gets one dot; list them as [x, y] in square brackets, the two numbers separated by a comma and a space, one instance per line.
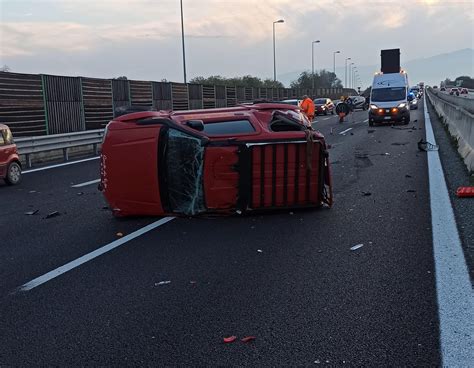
[427, 146]
[465, 192]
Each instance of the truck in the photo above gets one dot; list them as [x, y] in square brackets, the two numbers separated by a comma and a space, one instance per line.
[389, 95]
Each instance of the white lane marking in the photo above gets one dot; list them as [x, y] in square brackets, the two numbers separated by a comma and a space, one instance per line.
[345, 131]
[85, 184]
[454, 291]
[326, 118]
[89, 256]
[59, 165]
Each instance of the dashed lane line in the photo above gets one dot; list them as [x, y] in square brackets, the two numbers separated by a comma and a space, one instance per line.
[60, 165]
[345, 131]
[90, 256]
[85, 184]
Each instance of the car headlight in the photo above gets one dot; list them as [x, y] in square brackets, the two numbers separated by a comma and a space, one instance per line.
[415, 102]
[373, 107]
[402, 105]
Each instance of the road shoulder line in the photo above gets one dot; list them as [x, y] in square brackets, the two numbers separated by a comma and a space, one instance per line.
[454, 292]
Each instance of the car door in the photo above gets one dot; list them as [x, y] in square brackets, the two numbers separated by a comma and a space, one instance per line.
[4, 154]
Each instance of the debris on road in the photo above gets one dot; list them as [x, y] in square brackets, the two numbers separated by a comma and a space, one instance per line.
[357, 246]
[259, 251]
[465, 192]
[229, 339]
[162, 283]
[408, 176]
[52, 214]
[80, 193]
[248, 338]
[31, 213]
[119, 234]
[366, 194]
[427, 146]
[192, 282]
[411, 191]
[32, 191]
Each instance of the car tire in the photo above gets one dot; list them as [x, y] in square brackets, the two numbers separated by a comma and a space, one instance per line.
[13, 173]
[325, 112]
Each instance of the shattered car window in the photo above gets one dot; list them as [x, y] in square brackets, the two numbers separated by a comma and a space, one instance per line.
[184, 162]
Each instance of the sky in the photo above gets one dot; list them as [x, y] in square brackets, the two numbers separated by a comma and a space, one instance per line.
[141, 39]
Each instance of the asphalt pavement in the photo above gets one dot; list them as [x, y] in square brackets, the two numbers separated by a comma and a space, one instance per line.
[290, 279]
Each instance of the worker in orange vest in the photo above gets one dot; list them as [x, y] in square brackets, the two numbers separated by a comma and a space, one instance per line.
[308, 108]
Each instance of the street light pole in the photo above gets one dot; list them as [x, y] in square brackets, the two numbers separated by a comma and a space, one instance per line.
[182, 41]
[334, 64]
[312, 61]
[274, 54]
[345, 73]
[350, 75]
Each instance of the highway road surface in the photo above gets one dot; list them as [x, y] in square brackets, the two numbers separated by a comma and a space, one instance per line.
[366, 283]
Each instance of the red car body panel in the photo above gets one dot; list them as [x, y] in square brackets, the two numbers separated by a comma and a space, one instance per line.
[8, 153]
[153, 163]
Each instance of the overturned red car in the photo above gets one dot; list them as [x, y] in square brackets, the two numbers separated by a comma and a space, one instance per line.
[233, 160]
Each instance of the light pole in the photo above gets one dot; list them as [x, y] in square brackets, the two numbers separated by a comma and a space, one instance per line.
[334, 64]
[312, 61]
[354, 73]
[182, 41]
[274, 55]
[350, 75]
[345, 73]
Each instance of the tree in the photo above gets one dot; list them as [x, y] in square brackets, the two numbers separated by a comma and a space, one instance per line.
[245, 81]
[323, 79]
[464, 81]
[5, 68]
[123, 77]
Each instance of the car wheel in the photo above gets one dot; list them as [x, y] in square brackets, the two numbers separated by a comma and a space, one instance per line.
[13, 174]
[325, 112]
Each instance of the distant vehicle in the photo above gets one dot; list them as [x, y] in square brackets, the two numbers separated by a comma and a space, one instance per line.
[442, 89]
[414, 104]
[435, 87]
[389, 98]
[454, 91]
[233, 151]
[293, 102]
[359, 102]
[464, 91]
[323, 106]
[10, 166]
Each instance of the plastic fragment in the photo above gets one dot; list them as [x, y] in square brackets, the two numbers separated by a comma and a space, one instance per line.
[80, 193]
[408, 176]
[230, 339]
[162, 283]
[411, 191]
[366, 194]
[357, 246]
[119, 234]
[31, 213]
[465, 192]
[32, 191]
[248, 338]
[427, 146]
[52, 214]
[193, 282]
[259, 251]
[239, 212]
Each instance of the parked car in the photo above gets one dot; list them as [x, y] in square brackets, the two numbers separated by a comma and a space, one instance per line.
[359, 102]
[225, 161]
[323, 106]
[435, 87]
[10, 166]
[293, 102]
[442, 89]
[464, 91]
[454, 91]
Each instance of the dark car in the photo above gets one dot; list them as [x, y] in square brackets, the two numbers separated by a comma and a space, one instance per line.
[323, 106]
[454, 91]
[214, 161]
[464, 91]
[10, 166]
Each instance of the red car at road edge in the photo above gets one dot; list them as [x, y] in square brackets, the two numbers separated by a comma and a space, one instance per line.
[10, 165]
[215, 161]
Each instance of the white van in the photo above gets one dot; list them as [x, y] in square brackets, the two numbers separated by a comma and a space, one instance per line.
[388, 98]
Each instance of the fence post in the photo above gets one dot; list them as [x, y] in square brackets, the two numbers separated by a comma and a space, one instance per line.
[43, 88]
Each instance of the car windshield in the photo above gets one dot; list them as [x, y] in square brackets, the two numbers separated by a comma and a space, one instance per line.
[320, 101]
[388, 94]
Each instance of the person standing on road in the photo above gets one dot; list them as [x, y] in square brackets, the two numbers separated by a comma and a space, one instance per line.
[308, 108]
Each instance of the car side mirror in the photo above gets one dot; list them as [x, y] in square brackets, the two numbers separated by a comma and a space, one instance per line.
[196, 125]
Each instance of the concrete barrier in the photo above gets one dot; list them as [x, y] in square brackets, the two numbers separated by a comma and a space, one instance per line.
[460, 123]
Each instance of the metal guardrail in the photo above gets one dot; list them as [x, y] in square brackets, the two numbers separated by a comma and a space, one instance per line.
[29, 145]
